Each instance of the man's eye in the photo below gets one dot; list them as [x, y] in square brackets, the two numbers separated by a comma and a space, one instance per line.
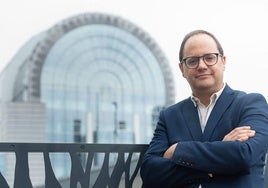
[209, 58]
[192, 61]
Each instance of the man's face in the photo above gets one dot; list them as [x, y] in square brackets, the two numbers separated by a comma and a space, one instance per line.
[203, 78]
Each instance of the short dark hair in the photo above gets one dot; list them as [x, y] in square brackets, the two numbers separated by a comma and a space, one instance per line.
[196, 32]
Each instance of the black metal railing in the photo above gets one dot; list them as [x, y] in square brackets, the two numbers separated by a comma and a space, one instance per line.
[125, 165]
[79, 174]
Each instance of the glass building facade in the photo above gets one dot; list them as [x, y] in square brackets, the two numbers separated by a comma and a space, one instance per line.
[100, 74]
[100, 78]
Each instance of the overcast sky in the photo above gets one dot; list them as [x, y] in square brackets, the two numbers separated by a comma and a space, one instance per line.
[240, 25]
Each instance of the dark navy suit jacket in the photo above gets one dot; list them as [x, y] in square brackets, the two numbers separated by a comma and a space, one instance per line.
[234, 164]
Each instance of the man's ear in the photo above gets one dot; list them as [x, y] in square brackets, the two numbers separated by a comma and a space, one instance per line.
[181, 68]
[223, 62]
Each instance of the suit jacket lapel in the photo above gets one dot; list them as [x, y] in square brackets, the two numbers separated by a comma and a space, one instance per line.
[221, 105]
[190, 114]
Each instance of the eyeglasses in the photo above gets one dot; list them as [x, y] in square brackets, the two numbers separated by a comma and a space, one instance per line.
[209, 59]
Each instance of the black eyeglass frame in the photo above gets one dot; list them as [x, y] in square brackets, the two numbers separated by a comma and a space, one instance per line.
[203, 56]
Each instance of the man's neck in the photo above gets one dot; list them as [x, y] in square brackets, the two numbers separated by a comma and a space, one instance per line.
[204, 95]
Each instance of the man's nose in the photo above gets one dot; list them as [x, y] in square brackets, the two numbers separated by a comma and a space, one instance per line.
[202, 63]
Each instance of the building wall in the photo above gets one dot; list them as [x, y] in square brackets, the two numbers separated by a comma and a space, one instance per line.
[23, 122]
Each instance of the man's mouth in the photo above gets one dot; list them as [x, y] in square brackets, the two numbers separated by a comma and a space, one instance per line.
[202, 75]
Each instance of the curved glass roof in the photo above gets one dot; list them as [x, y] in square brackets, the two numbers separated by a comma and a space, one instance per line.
[103, 76]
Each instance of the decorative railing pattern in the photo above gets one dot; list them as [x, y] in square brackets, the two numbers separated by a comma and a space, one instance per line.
[79, 175]
[126, 153]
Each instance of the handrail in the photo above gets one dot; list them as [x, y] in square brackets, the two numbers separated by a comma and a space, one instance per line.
[125, 154]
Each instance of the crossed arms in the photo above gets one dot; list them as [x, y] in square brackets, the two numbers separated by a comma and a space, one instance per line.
[238, 134]
[169, 164]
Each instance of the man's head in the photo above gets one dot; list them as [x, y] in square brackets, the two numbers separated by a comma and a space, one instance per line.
[202, 62]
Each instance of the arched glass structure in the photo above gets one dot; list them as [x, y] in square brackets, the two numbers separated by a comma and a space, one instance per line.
[107, 80]
[102, 76]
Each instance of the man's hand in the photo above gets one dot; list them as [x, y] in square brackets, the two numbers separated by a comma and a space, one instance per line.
[240, 133]
[169, 153]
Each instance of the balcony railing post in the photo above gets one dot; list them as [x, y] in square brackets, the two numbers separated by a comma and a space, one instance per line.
[22, 176]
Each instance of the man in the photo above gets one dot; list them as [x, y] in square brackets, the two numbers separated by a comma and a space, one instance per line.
[216, 138]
